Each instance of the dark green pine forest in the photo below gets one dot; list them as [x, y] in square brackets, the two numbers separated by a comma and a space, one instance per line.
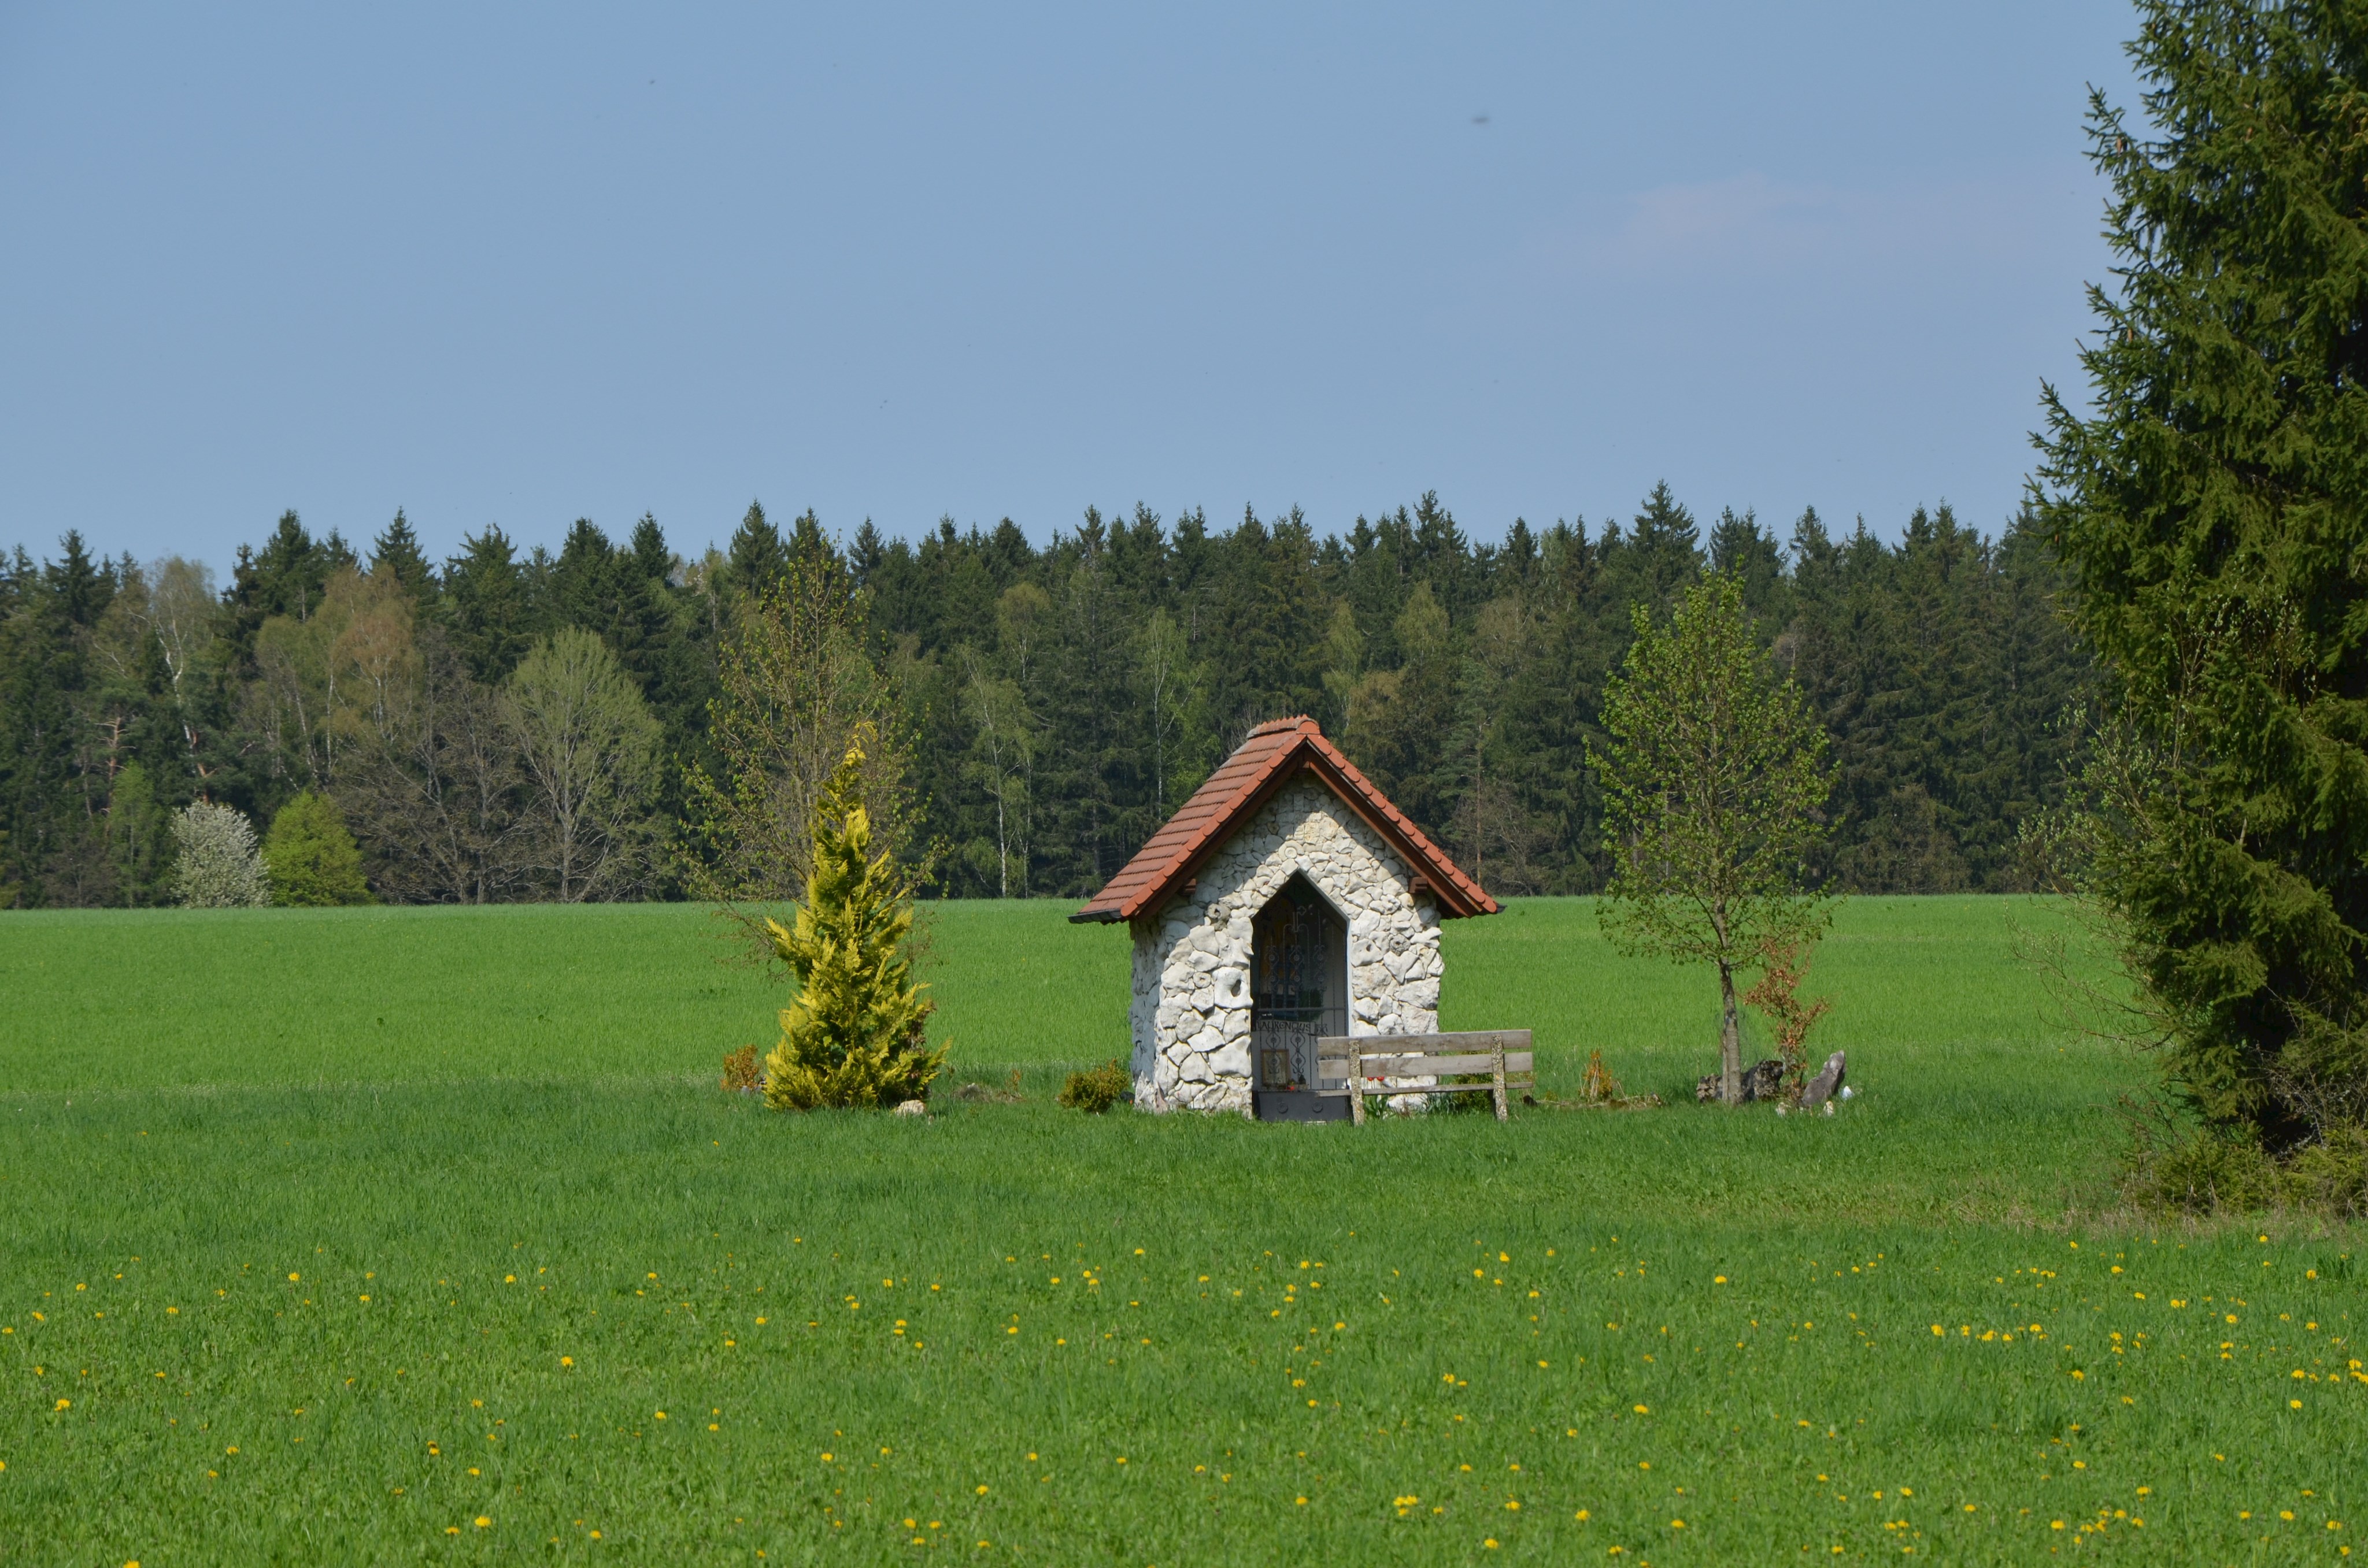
[1052, 703]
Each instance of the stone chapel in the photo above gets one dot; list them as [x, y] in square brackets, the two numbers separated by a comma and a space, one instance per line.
[1286, 900]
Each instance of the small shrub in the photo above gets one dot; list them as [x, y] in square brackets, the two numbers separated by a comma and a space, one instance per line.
[1598, 1090]
[216, 866]
[740, 1072]
[2204, 1171]
[1099, 1088]
[1783, 963]
[2332, 1173]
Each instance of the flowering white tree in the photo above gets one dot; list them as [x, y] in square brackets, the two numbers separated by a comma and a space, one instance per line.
[219, 866]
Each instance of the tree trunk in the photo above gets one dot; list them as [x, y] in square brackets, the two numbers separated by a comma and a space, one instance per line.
[1730, 1038]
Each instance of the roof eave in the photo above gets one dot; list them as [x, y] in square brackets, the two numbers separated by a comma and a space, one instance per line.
[1453, 902]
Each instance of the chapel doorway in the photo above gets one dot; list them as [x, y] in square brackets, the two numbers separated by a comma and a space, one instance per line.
[1299, 992]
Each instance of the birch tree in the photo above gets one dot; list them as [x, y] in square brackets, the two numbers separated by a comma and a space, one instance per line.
[589, 748]
[1002, 754]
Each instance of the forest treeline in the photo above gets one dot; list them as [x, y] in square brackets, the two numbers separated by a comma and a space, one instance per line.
[514, 725]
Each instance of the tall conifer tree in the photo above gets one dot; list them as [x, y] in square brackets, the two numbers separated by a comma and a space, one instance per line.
[2212, 513]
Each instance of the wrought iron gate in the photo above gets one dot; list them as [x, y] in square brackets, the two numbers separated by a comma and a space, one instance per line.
[1297, 942]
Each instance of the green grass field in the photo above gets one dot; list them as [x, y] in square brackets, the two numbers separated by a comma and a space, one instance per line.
[386, 1236]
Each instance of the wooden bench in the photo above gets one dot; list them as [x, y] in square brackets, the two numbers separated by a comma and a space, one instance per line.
[1363, 1063]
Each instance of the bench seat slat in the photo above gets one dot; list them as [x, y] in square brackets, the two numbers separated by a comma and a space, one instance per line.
[1390, 1091]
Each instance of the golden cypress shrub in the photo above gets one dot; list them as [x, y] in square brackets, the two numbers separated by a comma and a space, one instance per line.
[857, 1034]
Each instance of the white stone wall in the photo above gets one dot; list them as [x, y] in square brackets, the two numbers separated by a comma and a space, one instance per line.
[1191, 1006]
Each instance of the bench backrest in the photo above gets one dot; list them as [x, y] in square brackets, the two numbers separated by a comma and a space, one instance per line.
[1423, 1064]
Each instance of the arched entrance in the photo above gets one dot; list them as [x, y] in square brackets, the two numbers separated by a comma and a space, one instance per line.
[1299, 992]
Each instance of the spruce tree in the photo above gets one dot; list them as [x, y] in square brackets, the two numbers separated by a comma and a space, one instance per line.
[858, 1033]
[758, 557]
[397, 552]
[2212, 513]
[487, 604]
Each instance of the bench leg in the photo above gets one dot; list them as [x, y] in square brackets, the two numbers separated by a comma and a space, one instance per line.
[1357, 1090]
[1502, 1112]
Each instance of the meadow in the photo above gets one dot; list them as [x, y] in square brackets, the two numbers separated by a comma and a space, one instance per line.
[395, 1235]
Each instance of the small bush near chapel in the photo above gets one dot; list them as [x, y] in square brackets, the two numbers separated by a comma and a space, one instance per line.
[741, 1074]
[1098, 1089]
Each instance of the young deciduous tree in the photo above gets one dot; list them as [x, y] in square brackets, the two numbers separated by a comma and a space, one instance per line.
[858, 1033]
[589, 750]
[1002, 751]
[432, 781]
[309, 855]
[2213, 514]
[796, 680]
[1712, 775]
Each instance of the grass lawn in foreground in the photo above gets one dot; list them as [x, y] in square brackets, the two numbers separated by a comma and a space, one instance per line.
[285, 1282]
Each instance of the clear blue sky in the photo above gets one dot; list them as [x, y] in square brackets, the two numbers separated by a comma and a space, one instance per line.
[496, 264]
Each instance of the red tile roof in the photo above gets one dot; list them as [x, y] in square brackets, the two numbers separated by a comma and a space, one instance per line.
[1276, 751]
